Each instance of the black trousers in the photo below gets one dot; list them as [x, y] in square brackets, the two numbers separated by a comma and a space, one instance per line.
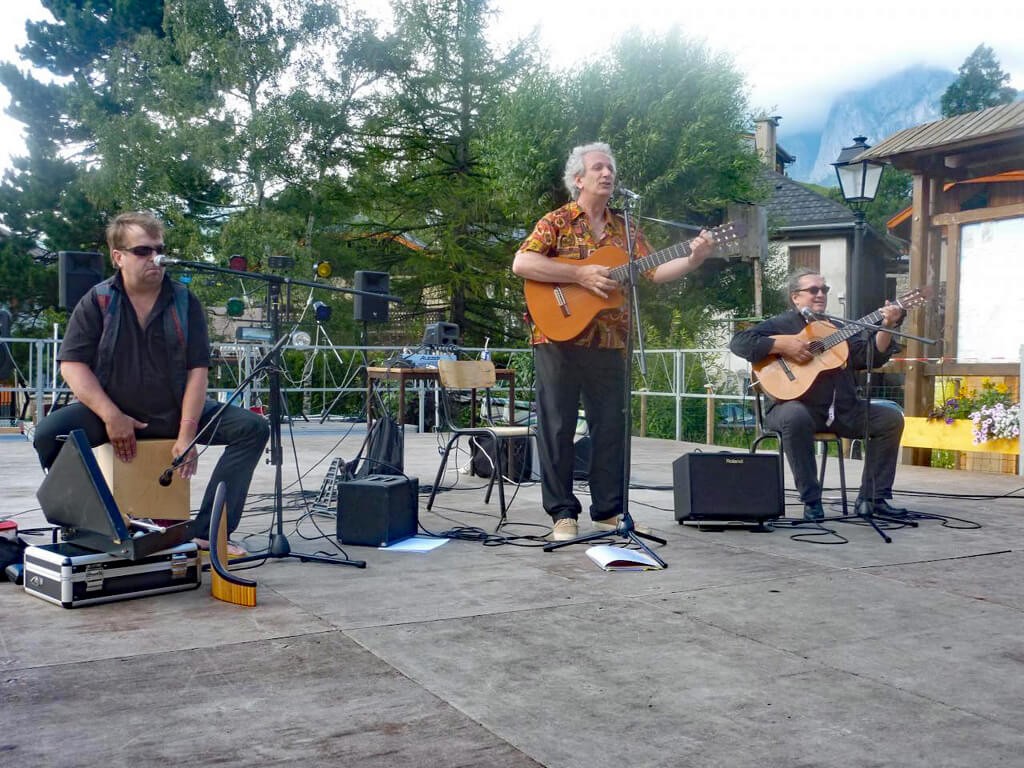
[243, 432]
[797, 424]
[565, 375]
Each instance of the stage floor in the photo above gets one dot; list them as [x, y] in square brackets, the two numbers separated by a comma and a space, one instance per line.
[795, 647]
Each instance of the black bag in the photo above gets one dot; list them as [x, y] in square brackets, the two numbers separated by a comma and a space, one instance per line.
[385, 450]
[516, 458]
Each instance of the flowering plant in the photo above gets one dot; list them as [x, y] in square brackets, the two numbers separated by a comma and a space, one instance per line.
[969, 401]
[995, 422]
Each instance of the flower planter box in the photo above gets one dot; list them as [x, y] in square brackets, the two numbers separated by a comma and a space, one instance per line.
[919, 432]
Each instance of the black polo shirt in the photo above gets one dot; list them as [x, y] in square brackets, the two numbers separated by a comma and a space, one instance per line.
[140, 382]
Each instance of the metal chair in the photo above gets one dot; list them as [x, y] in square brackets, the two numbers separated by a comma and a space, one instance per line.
[462, 381]
[824, 438]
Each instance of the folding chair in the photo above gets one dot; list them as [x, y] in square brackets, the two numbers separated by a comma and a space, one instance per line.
[824, 438]
[469, 381]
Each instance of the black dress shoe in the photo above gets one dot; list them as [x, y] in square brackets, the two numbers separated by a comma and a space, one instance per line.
[883, 507]
[814, 511]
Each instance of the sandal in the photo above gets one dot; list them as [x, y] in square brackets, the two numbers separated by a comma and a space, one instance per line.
[234, 550]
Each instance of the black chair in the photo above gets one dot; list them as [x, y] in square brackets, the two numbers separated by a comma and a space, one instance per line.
[468, 382]
[824, 438]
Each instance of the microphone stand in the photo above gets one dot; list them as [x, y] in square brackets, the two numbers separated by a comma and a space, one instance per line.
[865, 507]
[278, 546]
[626, 528]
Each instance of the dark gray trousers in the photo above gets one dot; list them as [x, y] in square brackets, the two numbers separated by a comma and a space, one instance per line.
[797, 424]
[565, 375]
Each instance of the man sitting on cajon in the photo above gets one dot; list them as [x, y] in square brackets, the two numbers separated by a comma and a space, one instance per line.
[136, 355]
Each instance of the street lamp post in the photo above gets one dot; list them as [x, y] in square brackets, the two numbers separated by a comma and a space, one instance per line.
[858, 180]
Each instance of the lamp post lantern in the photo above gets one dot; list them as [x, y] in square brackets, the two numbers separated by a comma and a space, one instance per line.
[858, 181]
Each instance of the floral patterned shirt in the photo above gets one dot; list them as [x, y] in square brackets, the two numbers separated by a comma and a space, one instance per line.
[566, 232]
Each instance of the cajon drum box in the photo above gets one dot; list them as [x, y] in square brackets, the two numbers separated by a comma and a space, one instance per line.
[136, 485]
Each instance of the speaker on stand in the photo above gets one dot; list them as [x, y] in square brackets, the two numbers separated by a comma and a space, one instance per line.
[77, 272]
[369, 309]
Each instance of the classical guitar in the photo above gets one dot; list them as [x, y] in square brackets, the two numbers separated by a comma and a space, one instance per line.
[563, 311]
[787, 380]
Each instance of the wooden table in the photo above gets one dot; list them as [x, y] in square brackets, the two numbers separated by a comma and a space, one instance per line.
[403, 375]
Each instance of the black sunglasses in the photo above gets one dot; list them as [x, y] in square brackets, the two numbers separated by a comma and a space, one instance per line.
[144, 251]
[814, 290]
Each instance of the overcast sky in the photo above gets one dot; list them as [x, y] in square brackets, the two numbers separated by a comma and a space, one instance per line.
[796, 55]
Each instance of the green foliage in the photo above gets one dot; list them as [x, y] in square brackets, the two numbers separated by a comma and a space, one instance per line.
[295, 128]
[982, 83]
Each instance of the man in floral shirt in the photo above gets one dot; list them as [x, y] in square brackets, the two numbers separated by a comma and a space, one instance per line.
[592, 364]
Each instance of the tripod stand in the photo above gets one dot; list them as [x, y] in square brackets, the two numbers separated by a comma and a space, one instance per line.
[278, 546]
[626, 529]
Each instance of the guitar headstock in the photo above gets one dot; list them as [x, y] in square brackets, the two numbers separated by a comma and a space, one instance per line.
[728, 234]
[727, 237]
[914, 298]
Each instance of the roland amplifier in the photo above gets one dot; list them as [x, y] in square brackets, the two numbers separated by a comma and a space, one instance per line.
[728, 487]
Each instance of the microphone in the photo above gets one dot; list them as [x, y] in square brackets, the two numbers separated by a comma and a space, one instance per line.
[161, 260]
[627, 193]
[165, 477]
[809, 314]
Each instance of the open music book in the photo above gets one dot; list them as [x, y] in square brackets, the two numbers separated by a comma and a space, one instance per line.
[612, 558]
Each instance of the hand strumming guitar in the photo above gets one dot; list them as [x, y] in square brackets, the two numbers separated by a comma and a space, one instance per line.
[795, 348]
[596, 279]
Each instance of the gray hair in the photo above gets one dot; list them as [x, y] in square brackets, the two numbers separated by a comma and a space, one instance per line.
[575, 167]
[794, 278]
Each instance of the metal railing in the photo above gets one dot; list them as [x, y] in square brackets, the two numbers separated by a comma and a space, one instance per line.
[682, 395]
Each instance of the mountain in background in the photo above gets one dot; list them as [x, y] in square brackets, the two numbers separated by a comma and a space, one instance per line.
[908, 98]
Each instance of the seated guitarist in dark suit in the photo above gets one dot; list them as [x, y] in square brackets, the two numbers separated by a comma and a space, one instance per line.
[830, 403]
[591, 363]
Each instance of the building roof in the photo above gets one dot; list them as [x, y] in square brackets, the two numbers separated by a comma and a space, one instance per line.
[978, 143]
[794, 206]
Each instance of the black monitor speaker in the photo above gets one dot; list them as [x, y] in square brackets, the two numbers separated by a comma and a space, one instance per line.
[370, 309]
[78, 271]
[441, 335]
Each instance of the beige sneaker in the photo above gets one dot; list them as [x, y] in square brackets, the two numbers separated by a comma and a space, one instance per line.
[612, 524]
[565, 529]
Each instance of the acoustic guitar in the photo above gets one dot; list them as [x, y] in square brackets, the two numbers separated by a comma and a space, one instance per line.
[787, 380]
[563, 311]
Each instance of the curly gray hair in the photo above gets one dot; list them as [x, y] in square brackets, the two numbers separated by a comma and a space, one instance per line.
[575, 167]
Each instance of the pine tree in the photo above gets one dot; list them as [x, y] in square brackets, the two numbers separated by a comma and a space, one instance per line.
[981, 84]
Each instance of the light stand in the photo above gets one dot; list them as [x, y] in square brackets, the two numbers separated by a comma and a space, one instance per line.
[278, 546]
[865, 507]
[626, 529]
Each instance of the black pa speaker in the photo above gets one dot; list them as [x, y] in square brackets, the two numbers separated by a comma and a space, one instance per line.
[376, 510]
[582, 451]
[516, 458]
[370, 309]
[77, 272]
[728, 487]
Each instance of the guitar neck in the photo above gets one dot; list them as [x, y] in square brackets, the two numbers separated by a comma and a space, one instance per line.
[846, 332]
[652, 260]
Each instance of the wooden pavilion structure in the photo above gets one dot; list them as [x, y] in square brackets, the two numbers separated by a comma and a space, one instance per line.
[966, 169]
